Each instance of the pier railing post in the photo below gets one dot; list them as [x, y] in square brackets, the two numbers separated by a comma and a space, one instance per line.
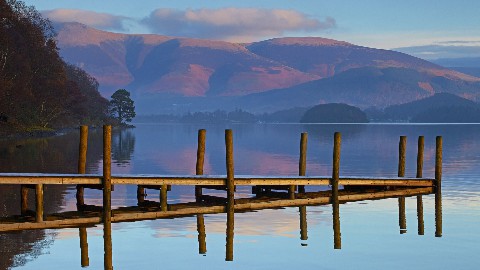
[438, 182]
[420, 221]
[23, 199]
[230, 194]
[82, 163]
[107, 190]
[200, 160]
[334, 182]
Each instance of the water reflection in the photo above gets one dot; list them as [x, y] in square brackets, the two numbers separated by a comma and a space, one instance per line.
[264, 200]
[123, 146]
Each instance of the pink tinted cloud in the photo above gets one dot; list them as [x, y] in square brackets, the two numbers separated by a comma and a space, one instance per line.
[93, 19]
[233, 24]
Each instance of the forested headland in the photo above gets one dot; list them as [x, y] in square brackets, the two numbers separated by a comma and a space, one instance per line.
[38, 90]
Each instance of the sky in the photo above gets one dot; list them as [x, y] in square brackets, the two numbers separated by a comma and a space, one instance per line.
[426, 28]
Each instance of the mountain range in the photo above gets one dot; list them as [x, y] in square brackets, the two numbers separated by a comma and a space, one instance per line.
[173, 74]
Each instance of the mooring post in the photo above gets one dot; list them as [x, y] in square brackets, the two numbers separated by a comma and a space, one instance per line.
[85, 261]
[421, 224]
[39, 202]
[402, 149]
[140, 194]
[23, 199]
[230, 194]
[334, 183]
[202, 243]
[302, 162]
[163, 198]
[229, 163]
[200, 160]
[107, 192]
[82, 163]
[303, 222]
[438, 182]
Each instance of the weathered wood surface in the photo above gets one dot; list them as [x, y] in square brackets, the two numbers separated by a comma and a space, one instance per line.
[210, 180]
[75, 219]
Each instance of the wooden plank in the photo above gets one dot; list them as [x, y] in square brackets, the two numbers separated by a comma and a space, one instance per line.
[210, 180]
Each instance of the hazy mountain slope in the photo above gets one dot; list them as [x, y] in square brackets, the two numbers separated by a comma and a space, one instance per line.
[326, 57]
[362, 87]
[180, 66]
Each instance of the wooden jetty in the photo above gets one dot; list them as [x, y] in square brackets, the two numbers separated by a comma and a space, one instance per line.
[354, 189]
[107, 180]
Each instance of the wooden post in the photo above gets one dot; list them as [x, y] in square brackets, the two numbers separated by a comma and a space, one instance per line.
[82, 163]
[229, 163]
[302, 163]
[421, 143]
[402, 149]
[438, 193]
[421, 226]
[303, 222]
[202, 243]
[420, 222]
[140, 194]
[163, 198]
[230, 194]
[85, 261]
[402, 221]
[334, 182]
[200, 160]
[402, 146]
[23, 199]
[39, 202]
[107, 190]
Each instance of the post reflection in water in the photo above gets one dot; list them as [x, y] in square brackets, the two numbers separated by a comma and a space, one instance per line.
[303, 224]
[421, 229]
[202, 243]
[402, 219]
[229, 233]
[85, 261]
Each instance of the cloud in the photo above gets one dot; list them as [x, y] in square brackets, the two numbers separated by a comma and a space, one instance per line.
[451, 49]
[233, 24]
[93, 19]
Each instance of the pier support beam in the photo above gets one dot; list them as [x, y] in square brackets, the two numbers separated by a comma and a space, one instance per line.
[39, 202]
[85, 261]
[230, 194]
[438, 181]
[420, 149]
[402, 150]
[82, 163]
[107, 201]
[337, 237]
[302, 162]
[200, 160]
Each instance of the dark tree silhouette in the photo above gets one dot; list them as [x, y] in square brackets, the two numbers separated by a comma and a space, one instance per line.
[37, 89]
[122, 107]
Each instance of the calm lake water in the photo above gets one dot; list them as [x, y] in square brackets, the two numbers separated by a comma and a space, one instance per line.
[265, 239]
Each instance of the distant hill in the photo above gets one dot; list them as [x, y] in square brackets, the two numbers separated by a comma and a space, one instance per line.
[166, 73]
[361, 87]
[410, 110]
[334, 113]
[466, 65]
[448, 114]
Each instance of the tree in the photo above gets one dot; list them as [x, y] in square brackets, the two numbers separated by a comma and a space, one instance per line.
[121, 106]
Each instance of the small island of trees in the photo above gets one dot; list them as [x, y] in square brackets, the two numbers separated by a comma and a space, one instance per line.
[334, 113]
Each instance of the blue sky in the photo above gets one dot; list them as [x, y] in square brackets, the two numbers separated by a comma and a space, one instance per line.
[430, 26]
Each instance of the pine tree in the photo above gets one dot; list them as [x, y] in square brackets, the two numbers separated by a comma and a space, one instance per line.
[122, 106]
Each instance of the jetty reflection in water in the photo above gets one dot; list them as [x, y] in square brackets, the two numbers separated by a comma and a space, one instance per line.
[263, 200]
